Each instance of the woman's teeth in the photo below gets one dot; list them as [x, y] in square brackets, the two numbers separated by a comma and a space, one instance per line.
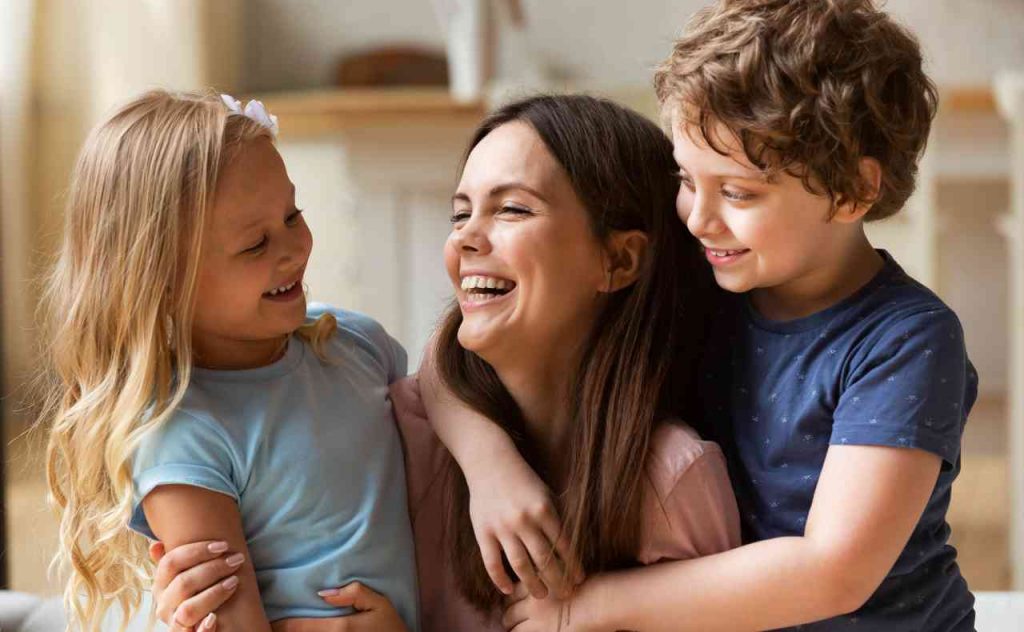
[483, 288]
[281, 290]
[725, 253]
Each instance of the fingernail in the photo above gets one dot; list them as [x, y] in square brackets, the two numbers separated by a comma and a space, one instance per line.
[230, 583]
[330, 592]
[218, 547]
[209, 621]
[235, 560]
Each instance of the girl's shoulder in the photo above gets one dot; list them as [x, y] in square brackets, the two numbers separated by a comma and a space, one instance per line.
[356, 331]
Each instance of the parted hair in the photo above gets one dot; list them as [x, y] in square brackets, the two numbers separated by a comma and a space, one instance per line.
[809, 87]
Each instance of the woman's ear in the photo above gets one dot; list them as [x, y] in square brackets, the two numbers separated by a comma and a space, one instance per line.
[626, 250]
[871, 173]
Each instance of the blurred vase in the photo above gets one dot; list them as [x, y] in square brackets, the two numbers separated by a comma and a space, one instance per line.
[466, 24]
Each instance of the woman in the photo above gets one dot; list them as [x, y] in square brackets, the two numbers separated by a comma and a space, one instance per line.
[576, 289]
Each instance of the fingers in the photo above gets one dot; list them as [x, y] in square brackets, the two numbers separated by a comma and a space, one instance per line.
[203, 588]
[490, 550]
[355, 595]
[514, 615]
[519, 560]
[198, 610]
[549, 568]
[183, 558]
[156, 551]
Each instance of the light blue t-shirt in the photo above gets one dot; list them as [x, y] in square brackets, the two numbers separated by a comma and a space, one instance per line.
[311, 453]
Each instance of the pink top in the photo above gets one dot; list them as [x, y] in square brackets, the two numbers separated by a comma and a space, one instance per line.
[688, 510]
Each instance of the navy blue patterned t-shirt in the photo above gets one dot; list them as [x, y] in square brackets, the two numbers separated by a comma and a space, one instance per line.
[886, 366]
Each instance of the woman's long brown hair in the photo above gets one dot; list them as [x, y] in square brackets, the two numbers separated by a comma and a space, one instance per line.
[636, 367]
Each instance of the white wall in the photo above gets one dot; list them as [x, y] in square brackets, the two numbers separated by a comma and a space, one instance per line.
[296, 43]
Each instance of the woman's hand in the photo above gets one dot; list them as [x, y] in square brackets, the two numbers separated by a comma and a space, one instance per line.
[374, 613]
[191, 582]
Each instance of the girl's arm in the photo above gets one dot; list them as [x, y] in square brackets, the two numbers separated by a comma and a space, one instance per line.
[865, 508]
[510, 506]
[180, 514]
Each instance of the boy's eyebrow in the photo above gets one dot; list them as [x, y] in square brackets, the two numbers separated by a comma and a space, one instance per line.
[745, 174]
[501, 188]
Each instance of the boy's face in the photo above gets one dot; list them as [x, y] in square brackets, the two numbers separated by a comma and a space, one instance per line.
[758, 234]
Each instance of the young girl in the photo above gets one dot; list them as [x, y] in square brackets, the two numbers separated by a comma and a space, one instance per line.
[573, 280]
[194, 394]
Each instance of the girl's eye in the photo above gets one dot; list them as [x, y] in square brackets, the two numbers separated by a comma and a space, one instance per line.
[737, 196]
[459, 216]
[258, 247]
[293, 219]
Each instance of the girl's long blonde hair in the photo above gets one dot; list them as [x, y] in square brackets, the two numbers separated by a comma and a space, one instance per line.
[117, 313]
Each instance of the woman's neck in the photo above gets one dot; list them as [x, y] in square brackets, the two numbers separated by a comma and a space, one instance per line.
[541, 387]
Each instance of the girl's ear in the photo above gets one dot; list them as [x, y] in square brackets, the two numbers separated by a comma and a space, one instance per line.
[625, 257]
[871, 173]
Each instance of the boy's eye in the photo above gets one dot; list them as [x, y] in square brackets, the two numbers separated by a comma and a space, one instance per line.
[686, 181]
[293, 219]
[737, 196]
[459, 216]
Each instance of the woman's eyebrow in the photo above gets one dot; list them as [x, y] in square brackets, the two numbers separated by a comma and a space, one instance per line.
[501, 188]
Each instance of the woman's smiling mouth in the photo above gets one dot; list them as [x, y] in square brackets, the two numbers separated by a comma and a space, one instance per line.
[482, 289]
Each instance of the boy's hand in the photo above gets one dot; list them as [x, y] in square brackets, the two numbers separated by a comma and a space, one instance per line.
[512, 512]
[525, 613]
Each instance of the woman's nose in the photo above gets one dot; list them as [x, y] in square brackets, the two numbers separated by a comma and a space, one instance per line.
[471, 236]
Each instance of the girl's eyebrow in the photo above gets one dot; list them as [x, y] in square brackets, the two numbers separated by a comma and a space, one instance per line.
[501, 188]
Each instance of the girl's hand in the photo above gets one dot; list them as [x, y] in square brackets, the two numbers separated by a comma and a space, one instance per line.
[526, 613]
[191, 582]
[512, 512]
[374, 613]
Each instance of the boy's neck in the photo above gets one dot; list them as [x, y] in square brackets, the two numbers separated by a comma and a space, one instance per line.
[854, 265]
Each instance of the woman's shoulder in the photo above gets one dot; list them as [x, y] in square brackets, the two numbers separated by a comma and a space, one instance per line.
[674, 450]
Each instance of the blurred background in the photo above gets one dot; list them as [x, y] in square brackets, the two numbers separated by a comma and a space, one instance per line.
[376, 99]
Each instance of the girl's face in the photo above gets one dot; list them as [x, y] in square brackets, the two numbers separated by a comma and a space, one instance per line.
[254, 253]
[524, 260]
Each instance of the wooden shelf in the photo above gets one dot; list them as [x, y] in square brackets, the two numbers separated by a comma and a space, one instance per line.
[327, 111]
[967, 100]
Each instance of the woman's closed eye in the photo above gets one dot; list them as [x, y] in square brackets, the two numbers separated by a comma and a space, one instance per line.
[516, 210]
[459, 216]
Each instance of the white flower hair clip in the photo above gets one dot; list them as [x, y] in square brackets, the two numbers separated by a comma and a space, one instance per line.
[254, 110]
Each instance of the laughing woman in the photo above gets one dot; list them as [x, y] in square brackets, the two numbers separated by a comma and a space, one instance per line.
[576, 290]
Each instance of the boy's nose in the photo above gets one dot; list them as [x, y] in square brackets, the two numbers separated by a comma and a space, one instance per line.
[702, 219]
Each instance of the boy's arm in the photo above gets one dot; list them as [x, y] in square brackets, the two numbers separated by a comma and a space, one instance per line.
[510, 506]
[180, 514]
[865, 507]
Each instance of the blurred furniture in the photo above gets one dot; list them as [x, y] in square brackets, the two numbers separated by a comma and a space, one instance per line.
[20, 612]
[1010, 92]
[393, 66]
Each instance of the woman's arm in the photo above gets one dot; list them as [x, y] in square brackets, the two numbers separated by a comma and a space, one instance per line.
[865, 508]
[180, 514]
[510, 506]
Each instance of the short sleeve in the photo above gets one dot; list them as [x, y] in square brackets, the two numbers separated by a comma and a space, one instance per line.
[388, 351]
[702, 508]
[186, 450]
[911, 389]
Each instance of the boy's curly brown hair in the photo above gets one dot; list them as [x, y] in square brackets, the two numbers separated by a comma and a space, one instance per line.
[809, 87]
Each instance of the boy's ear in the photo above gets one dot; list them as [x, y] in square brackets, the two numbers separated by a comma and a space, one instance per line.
[871, 173]
[626, 250]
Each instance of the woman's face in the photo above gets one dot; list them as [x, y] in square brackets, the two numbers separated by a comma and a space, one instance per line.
[527, 268]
